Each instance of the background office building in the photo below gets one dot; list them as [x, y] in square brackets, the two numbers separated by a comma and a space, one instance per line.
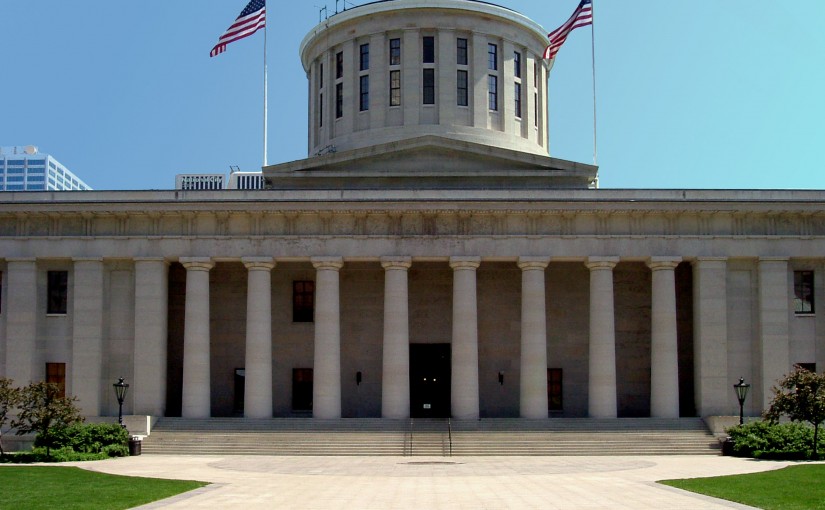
[27, 169]
[237, 180]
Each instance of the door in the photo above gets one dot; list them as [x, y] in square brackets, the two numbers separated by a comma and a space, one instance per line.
[430, 380]
[302, 389]
[240, 389]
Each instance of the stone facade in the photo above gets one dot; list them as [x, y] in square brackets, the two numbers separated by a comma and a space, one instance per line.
[129, 256]
[453, 268]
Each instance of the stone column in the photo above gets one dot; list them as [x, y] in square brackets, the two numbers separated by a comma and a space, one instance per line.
[395, 386]
[664, 352]
[21, 321]
[774, 312]
[87, 334]
[151, 302]
[710, 336]
[326, 387]
[464, 381]
[258, 381]
[602, 364]
[196, 370]
[533, 389]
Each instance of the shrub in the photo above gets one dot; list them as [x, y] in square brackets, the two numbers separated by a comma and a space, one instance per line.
[764, 440]
[801, 397]
[43, 410]
[92, 438]
[65, 454]
[9, 399]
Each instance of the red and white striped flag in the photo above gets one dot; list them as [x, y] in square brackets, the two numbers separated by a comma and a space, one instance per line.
[582, 16]
[251, 19]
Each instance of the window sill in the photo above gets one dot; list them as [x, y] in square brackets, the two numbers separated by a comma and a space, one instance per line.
[56, 314]
[804, 314]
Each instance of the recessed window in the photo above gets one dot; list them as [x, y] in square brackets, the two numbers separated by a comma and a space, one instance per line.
[321, 75]
[517, 64]
[56, 374]
[461, 88]
[395, 52]
[428, 50]
[803, 289]
[810, 367]
[517, 94]
[395, 88]
[492, 57]
[536, 109]
[429, 86]
[555, 393]
[535, 74]
[461, 51]
[58, 292]
[339, 100]
[364, 103]
[339, 65]
[321, 110]
[492, 86]
[303, 301]
[364, 61]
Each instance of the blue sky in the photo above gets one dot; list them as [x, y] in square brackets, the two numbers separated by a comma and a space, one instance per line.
[698, 94]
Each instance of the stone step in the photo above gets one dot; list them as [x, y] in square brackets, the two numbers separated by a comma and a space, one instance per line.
[301, 436]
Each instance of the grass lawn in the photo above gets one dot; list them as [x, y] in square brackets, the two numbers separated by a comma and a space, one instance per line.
[33, 487]
[791, 488]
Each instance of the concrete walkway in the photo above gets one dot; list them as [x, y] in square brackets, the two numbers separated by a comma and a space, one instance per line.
[422, 483]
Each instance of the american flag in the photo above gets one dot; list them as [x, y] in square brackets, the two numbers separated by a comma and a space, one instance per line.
[251, 19]
[582, 16]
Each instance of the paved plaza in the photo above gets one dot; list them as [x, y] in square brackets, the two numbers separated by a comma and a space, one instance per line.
[431, 483]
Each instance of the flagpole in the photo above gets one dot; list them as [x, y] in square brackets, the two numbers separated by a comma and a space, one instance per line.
[265, 97]
[593, 60]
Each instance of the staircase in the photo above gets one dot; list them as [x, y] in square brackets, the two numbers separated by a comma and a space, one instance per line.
[583, 436]
[375, 436]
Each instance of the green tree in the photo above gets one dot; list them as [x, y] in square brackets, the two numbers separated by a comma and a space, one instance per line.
[801, 397]
[9, 398]
[43, 411]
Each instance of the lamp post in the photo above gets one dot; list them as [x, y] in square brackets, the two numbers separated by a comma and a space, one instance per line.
[120, 392]
[741, 393]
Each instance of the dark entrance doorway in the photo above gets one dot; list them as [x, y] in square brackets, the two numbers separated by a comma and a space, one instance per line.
[430, 380]
[240, 389]
[302, 389]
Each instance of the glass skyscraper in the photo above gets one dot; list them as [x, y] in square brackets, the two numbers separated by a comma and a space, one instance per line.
[25, 169]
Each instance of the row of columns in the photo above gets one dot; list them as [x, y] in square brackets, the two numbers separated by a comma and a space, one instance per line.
[465, 382]
[151, 296]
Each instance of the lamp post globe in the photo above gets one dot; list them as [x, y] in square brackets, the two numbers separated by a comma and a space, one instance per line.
[741, 394]
[120, 392]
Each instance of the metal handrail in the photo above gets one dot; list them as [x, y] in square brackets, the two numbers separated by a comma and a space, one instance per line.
[411, 436]
[450, 435]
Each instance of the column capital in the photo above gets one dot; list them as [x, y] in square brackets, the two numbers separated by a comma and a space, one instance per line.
[390, 263]
[659, 263]
[597, 263]
[533, 263]
[329, 263]
[458, 263]
[87, 259]
[258, 263]
[197, 263]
